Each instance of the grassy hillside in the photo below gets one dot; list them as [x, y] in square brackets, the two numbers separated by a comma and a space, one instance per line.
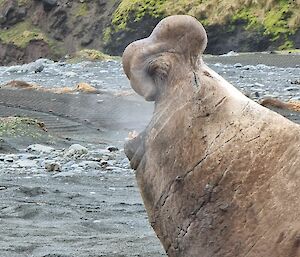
[278, 20]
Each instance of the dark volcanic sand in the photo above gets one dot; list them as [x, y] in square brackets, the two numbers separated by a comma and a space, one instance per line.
[97, 212]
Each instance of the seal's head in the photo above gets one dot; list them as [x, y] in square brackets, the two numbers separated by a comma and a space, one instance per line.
[176, 42]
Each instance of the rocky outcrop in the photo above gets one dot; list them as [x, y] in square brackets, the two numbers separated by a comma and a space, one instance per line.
[52, 29]
[231, 25]
[56, 28]
[218, 173]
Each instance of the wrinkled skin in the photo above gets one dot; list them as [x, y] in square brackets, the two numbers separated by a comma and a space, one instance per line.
[218, 173]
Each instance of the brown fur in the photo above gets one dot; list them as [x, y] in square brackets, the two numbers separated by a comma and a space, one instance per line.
[273, 102]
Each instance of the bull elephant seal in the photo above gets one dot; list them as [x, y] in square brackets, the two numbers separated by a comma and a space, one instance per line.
[219, 174]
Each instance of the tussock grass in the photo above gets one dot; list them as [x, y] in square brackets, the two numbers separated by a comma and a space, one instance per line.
[277, 18]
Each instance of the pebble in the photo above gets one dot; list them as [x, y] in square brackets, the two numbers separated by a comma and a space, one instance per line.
[292, 88]
[112, 148]
[259, 84]
[26, 163]
[238, 65]
[89, 164]
[77, 159]
[76, 150]
[52, 166]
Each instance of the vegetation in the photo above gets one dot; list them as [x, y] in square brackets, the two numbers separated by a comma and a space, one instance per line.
[91, 55]
[278, 19]
[23, 2]
[20, 127]
[138, 9]
[21, 34]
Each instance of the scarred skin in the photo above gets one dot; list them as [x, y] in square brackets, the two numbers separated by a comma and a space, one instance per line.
[219, 174]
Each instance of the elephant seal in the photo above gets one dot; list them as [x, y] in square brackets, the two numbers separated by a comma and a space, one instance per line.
[219, 174]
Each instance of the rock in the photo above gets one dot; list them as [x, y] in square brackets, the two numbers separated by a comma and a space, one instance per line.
[238, 65]
[230, 53]
[51, 166]
[89, 165]
[39, 148]
[11, 13]
[259, 84]
[112, 148]
[295, 82]
[256, 94]
[76, 150]
[70, 74]
[292, 88]
[26, 163]
[248, 67]
[33, 67]
[49, 4]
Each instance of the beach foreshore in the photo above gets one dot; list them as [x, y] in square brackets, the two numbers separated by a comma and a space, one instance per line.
[66, 187]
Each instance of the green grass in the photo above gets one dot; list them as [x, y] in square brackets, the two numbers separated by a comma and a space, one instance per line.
[138, 9]
[21, 34]
[277, 19]
[90, 55]
[20, 127]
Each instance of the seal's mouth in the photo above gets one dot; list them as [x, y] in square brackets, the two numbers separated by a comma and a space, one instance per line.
[135, 148]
